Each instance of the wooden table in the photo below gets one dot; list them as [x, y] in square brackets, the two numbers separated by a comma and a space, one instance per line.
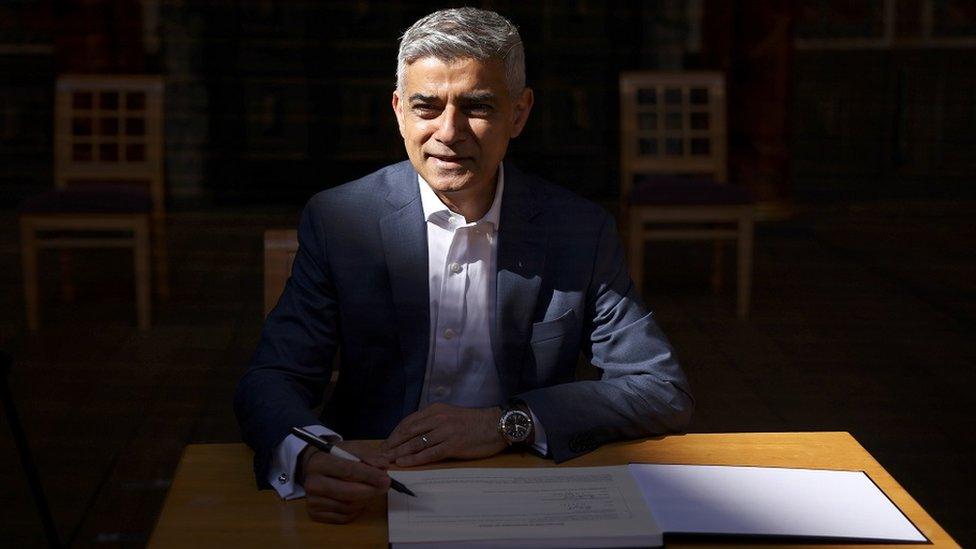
[213, 501]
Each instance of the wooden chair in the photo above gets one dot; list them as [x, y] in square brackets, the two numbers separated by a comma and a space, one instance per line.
[280, 246]
[673, 170]
[108, 173]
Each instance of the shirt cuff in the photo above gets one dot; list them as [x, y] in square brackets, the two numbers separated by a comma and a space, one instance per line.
[540, 444]
[281, 473]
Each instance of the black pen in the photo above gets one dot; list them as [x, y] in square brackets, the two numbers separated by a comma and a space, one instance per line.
[330, 448]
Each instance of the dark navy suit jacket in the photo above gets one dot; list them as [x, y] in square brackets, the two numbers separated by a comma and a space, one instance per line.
[359, 286]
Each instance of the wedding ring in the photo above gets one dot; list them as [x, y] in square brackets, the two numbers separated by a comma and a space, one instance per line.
[423, 438]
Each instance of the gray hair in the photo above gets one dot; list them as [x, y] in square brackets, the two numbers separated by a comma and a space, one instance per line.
[464, 33]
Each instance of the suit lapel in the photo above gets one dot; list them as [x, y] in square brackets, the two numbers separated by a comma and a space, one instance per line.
[521, 259]
[404, 236]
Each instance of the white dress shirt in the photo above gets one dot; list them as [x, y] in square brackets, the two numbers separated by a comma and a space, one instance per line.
[461, 267]
[460, 362]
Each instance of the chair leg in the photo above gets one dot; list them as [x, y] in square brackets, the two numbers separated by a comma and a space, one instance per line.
[160, 256]
[635, 240]
[143, 270]
[745, 244]
[28, 243]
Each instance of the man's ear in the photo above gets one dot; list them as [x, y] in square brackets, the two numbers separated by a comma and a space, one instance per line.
[398, 112]
[522, 109]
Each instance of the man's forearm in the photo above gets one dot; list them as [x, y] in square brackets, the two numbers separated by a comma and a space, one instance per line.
[268, 405]
[580, 416]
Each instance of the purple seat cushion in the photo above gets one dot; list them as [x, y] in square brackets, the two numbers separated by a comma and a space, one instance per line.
[684, 191]
[90, 198]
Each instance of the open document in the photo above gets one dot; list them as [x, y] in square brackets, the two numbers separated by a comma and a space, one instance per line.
[543, 507]
[635, 505]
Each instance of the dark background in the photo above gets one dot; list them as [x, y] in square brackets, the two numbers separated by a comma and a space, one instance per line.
[272, 101]
[851, 122]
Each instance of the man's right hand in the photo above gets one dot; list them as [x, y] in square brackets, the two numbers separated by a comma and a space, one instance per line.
[337, 490]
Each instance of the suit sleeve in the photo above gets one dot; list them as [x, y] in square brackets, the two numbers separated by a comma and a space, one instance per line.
[642, 391]
[293, 361]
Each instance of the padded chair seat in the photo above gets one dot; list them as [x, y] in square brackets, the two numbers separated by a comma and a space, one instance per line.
[674, 190]
[91, 198]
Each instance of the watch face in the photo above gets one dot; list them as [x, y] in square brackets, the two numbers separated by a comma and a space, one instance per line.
[516, 425]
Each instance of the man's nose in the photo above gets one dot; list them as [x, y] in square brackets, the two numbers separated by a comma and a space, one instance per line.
[453, 125]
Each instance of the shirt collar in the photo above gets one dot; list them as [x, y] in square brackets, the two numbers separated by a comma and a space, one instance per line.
[433, 207]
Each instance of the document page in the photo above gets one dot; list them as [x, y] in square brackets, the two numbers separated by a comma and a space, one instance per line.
[763, 501]
[537, 507]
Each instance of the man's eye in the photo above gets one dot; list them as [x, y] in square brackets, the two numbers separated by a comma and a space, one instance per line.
[480, 109]
[425, 109]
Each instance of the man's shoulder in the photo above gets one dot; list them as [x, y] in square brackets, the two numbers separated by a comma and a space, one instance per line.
[360, 192]
[557, 201]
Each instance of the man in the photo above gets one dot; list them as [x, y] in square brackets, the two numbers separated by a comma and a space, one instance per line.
[459, 292]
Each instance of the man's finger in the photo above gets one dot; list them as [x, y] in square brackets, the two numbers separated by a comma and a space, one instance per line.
[352, 471]
[405, 430]
[413, 433]
[419, 443]
[422, 416]
[367, 453]
[322, 504]
[326, 509]
[429, 455]
[378, 461]
[350, 492]
[322, 486]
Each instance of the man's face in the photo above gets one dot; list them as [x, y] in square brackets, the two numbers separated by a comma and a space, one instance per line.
[456, 119]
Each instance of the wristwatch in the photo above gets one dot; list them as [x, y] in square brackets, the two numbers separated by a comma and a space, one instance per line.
[515, 425]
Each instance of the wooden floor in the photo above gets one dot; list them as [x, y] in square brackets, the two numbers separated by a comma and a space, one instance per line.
[864, 320]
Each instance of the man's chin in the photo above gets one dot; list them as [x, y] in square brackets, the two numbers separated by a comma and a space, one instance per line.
[448, 185]
[449, 180]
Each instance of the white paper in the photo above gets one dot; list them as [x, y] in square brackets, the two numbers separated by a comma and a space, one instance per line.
[539, 507]
[771, 501]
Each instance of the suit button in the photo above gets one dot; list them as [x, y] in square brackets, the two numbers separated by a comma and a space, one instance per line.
[449, 334]
[455, 268]
[282, 478]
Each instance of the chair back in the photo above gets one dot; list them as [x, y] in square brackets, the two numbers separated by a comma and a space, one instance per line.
[109, 128]
[671, 123]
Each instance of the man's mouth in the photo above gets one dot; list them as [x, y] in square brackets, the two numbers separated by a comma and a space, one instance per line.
[448, 158]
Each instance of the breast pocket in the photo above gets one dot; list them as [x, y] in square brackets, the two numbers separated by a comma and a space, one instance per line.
[548, 343]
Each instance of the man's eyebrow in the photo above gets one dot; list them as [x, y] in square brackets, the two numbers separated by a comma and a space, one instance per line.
[485, 97]
[469, 97]
[423, 98]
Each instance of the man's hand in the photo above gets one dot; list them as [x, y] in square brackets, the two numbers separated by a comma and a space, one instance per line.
[442, 431]
[337, 490]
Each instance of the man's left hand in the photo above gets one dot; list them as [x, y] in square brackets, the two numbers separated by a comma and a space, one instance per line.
[442, 431]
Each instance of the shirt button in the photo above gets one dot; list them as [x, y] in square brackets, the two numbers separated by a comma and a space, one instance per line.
[282, 478]
[455, 268]
[453, 220]
[449, 334]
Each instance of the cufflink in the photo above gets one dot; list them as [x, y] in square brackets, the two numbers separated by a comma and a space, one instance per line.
[283, 478]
